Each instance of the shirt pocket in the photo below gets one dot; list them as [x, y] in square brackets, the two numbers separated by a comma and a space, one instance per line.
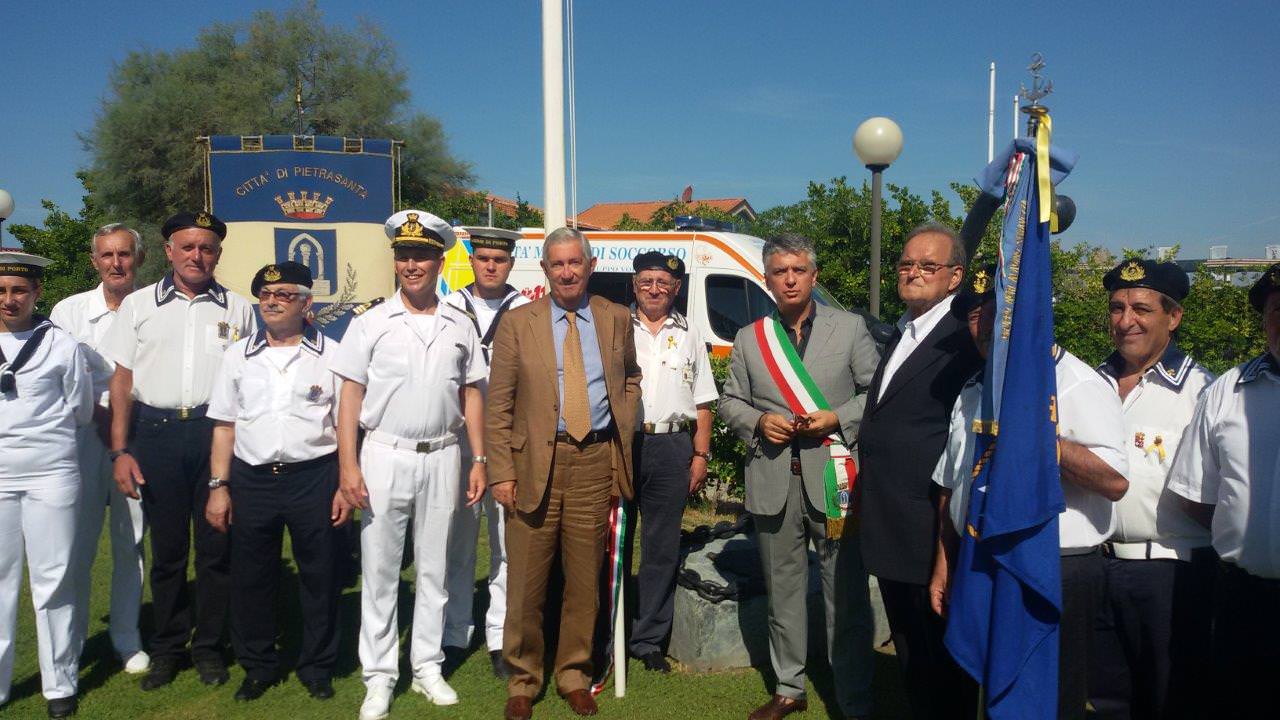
[391, 361]
[218, 336]
[1157, 445]
[254, 396]
[311, 401]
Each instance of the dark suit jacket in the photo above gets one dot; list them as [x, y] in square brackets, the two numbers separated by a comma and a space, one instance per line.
[902, 435]
[522, 408]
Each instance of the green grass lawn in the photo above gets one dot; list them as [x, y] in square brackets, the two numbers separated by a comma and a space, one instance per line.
[106, 692]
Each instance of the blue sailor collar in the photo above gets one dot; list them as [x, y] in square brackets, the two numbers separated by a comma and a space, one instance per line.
[166, 291]
[1174, 366]
[1264, 363]
[674, 317]
[312, 341]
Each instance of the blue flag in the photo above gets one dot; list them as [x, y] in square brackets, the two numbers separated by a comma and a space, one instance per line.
[1006, 592]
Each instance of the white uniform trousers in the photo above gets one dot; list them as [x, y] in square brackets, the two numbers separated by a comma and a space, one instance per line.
[404, 486]
[126, 528]
[42, 521]
[461, 572]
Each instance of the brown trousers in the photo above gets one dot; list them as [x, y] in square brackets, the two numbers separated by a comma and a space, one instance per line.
[573, 518]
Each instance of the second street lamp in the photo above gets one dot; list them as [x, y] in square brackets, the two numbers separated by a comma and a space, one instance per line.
[877, 143]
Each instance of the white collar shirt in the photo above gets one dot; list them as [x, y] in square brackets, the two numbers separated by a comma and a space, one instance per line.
[174, 344]
[411, 380]
[283, 400]
[914, 331]
[675, 370]
[1230, 458]
[53, 395]
[1150, 522]
[484, 315]
[86, 317]
[1089, 413]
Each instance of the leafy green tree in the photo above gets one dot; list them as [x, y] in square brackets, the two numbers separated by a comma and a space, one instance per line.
[64, 239]
[241, 78]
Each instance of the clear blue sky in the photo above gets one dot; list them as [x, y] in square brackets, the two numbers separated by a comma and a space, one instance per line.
[1172, 106]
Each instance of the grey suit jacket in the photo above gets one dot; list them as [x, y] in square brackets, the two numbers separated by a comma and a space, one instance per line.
[841, 357]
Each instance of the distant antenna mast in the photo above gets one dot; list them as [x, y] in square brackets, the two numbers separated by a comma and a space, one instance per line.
[297, 101]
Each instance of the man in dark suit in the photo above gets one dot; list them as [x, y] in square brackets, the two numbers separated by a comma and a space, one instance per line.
[902, 435]
[564, 390]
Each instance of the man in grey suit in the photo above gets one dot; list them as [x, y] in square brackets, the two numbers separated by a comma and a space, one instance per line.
[788, 455]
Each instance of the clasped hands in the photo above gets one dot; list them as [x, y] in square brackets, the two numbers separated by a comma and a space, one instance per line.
[779, 430]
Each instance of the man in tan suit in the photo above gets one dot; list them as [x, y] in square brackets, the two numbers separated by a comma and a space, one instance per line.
[564, 388]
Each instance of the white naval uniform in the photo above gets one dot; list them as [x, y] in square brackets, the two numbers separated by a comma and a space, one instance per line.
[412, 367]
[675, 371]
[1089, 414]
[1230, 458]
[87, 318]
[39, 490]
[461, 570]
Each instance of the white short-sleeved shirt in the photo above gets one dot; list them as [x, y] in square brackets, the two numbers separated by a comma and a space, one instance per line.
[411, 380]
[675, 370]
[174, 344]
[38, 421]
[283, 400]
[1230, 458]
[914, 331]
[86, 317]
[485, 312]
[1089, 414]
[1150, 522]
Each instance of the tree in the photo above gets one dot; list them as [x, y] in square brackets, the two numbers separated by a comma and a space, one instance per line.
[241, 78]
[66, 241]
[470, 207]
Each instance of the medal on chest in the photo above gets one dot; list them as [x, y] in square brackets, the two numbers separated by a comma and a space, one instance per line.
[224, 330]
[314, 393]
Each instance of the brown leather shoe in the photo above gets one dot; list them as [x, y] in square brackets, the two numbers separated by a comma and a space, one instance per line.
[778, 707]
[581, 702]
[519, 707]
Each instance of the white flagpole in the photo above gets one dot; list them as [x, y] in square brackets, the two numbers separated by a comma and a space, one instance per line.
[620, 642]
[991, 116]
[1015, 117]
[553, 114]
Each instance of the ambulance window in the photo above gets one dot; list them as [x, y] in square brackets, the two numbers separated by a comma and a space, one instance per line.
[617, 287]
[734, 302]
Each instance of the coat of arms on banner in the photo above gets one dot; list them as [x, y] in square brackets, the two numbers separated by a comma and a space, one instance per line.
[317, 248]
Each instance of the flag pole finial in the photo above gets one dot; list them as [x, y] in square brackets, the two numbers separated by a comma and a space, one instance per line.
[1040, 88]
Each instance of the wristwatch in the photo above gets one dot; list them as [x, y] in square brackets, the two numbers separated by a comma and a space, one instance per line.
[115, 454]
[702, 454]
[216, 482]
[480, 459]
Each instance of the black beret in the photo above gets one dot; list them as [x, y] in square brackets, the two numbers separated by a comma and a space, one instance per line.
[203, 220]
[979, 286]
[1163, 277]
[289, 272]
[654, 260]
[1267, 284]
[492, 238]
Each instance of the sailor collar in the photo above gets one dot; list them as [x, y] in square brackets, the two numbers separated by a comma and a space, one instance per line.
[166, 291]
[1174, 366]
[312, 341]
[1264, 363]
[673, 318]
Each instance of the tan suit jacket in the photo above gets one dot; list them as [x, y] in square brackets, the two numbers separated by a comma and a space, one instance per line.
[523, 407]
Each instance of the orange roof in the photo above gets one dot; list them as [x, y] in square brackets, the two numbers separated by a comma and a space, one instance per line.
[607, 215]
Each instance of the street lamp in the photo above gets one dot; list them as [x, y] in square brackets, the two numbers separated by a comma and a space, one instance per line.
[877, 142]
[6, 209]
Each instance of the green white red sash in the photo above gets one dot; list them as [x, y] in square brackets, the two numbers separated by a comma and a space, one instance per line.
[803, 396]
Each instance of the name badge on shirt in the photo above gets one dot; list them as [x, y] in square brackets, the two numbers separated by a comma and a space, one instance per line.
[314, 393]
[224, 330]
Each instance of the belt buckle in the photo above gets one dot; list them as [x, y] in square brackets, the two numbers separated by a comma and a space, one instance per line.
[184, 413]
[423, 447]
[650, 428]
[277, 468]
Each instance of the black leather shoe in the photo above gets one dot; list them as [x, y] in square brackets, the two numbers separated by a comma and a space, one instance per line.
[321, 689]
[251, 689]
[62, 707]
[163, 671]
[656, 662]
[454, 657]
[212, 672]
[500, 669]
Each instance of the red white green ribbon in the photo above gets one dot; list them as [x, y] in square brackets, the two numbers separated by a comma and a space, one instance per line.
[615, 563]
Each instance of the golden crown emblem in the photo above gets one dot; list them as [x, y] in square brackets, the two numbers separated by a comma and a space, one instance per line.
[272, 274]
[673, 263]
[203, 219]
[304, 205]
[981, 282]
[1132, 271]
[411, 229]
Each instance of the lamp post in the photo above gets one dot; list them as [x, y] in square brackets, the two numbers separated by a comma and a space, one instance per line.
[877, 143]
[6, 209]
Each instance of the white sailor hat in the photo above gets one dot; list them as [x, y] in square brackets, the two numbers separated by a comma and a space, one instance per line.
[15, 262]
[418, 228]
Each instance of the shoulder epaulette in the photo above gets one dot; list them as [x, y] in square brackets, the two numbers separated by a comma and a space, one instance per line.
[362, 308]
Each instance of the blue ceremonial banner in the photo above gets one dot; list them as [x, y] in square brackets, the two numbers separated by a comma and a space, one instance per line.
[317, 200]
[1006, 591]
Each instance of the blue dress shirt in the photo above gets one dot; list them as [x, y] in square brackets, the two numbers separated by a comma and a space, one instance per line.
[597, 394]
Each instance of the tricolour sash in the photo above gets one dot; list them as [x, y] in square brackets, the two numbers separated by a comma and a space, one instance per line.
[803, 396]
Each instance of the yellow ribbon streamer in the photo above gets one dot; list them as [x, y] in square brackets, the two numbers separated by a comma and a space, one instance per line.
[1044, 128]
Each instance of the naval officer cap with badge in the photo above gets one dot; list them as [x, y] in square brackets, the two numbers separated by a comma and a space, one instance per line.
[274, 461]
[168, 341]
[410, 369]
[45, 395]
[1229, 466]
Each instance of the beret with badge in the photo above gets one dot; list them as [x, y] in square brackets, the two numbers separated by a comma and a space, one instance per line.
[418, 228]
[1267, 284]
[979, 286]
[203, 220]
[492, 238]
[288, 272]
[20, 264]
[1163, 277]
[654, 260]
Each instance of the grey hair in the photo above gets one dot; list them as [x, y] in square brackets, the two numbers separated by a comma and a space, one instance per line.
[565, 235]
[110, 228]
[789, 244]
[958, 257]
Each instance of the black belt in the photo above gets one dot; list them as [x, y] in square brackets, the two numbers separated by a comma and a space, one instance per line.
[595, 436]
[149, 412]
[284, 468]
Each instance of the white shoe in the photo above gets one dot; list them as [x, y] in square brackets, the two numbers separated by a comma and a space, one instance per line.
[377, 703]
[436, 689]
[137, 663]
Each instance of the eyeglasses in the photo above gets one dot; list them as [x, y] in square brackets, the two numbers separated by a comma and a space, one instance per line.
[283, 296]
[660, 284]
[926, 269]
